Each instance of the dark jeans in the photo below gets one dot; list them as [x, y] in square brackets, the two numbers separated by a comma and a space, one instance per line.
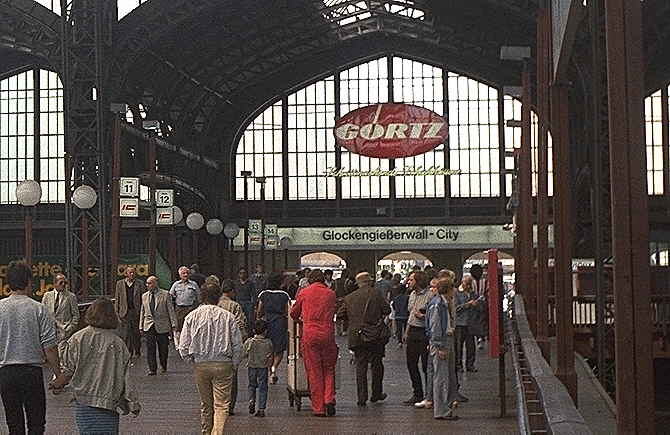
[371, 355]
[163, 341]
[417, 348]
[258, 379]
[133, 339]
[22, 389]
[400, 325]
[464, 336]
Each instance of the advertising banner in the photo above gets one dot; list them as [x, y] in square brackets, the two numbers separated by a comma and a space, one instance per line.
[46, 267]
[391, 130]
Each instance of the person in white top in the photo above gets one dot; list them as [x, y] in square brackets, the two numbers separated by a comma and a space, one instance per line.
[211, 339]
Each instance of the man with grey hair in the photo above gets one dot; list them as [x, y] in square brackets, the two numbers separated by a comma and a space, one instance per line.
[186, 295]
[127, 301]
[62, 305]
[157, 320]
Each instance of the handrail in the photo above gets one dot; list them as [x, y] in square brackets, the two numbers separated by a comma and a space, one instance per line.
[522, 408]
[561, 415]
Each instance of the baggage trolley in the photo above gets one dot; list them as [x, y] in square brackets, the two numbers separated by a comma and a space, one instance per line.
[297, 385]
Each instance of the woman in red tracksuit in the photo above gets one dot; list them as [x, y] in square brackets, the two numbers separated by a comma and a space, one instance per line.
[315, 307]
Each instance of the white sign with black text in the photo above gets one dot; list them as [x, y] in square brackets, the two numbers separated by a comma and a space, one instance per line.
[164, 197]
[255, 232]
[129, 187]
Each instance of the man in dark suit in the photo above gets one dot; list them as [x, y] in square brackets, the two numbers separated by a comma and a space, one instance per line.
[127, 303]
[355, 312]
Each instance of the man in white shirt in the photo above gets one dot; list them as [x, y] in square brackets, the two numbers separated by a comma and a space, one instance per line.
[27, 338]
[211, 338]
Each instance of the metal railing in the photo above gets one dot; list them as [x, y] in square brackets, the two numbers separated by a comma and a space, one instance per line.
[553, 410]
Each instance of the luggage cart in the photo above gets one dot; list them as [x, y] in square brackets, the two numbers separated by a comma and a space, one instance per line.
[297, 385]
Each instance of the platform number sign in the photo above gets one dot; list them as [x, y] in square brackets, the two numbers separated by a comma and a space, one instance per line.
[164, 197]
[129, 207]
[129, 187]
[255, 232]
[271, 236]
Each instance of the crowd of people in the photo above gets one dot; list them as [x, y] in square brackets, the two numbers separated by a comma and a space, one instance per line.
[215, 324]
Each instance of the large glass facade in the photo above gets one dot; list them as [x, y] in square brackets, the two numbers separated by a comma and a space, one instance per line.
[31, 134]
[473, 148]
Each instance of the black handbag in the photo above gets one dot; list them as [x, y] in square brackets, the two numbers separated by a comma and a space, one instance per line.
[373, 333]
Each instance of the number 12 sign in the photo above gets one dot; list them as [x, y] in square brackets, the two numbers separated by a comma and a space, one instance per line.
[164, 197]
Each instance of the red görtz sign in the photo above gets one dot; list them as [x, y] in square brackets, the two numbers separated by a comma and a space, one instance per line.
[391, 130]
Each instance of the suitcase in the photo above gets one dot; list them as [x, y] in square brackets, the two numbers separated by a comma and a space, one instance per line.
[296, 378]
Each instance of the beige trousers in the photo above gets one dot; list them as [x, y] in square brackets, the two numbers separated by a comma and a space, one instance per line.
[214, 380]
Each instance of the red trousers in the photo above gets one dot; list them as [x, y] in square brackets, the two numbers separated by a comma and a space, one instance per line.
[320, 361]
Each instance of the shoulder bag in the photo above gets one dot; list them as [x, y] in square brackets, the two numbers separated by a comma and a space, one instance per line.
[373, 333]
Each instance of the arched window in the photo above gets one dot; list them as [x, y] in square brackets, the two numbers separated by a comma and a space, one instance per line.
[31, 134]
[301, 160]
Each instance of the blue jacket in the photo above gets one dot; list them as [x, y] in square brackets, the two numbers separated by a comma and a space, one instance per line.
[437, 322]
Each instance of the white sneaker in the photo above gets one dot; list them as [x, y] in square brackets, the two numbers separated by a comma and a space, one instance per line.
[424, 404]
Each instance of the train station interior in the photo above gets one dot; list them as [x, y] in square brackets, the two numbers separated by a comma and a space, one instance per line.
[360, 135]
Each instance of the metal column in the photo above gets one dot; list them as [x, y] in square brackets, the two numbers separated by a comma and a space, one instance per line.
[86, 37]
[630, 218]
[563, 229]
[525, 211]
[543, 77]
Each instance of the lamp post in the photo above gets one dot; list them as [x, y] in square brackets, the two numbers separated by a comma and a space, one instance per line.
[230, 231]
[194, 222]
[84, 197]
[246, 175]
[214, 227]
[28, 193]
[261, 181]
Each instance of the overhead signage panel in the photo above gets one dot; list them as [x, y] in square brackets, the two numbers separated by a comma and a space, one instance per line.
[391, 130]
[255, 232]
[398, 237]
[164, 216]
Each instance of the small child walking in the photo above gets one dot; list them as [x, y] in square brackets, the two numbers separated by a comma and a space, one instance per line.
[259, 351]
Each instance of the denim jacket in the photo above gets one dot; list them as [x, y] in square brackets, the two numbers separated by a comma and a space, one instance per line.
[439, 325]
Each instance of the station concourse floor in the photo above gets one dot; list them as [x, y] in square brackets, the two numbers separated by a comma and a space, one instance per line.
[171, 405]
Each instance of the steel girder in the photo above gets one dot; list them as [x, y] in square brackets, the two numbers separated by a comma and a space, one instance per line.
[260, 43]
[28, 27]
[87, 41]
[600, 193]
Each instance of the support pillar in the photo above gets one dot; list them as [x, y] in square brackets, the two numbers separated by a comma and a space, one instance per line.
[630, 218]
[525, 211]
[563, 230]
[543, 78]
